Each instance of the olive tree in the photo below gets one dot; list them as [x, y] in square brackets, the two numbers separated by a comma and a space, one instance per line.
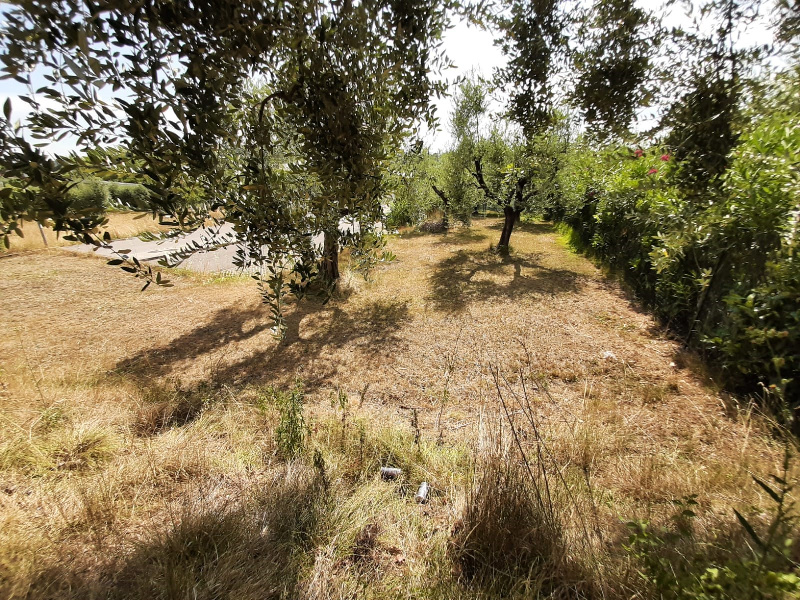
[559, 54]
[613, 61]
[520, 175]
[454, 187]
[414, 170]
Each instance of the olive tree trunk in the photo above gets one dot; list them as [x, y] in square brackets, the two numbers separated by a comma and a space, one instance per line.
[445, 207]
[511, 216]
[330, 257]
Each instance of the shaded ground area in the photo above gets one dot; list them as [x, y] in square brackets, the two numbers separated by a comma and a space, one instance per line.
[372, 330]
[469, 276]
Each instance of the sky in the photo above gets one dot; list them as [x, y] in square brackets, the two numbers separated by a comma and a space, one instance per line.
[471, 49]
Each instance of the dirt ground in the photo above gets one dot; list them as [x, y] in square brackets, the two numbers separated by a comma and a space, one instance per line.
[423, 334]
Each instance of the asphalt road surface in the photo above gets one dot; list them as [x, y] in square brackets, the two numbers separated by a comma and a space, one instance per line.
[216, 261]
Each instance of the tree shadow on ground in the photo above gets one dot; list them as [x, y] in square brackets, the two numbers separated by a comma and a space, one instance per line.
[227, 326]
[234, 550]
[212, 547]
[370, 328]
[462, 236]
[537, 228]
[481, 276]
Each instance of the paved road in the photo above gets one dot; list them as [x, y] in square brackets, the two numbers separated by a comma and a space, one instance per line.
[204, 262]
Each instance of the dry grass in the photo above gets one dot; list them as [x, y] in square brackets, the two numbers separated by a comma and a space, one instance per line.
[137, 437]
[120, 225]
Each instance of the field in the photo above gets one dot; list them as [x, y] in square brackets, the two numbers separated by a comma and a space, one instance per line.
[151, 445]
[121, 225]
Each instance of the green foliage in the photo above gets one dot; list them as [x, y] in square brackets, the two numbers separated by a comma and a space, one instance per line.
[789, 25]
[462, 196]
[597, 58]
[129, 195]
[720, 267]
[89, 197]
[702, 132]
[456, 189]
[659, 553]
[520, 175]
[710, 68]
[607, 198]
[760, 338]
[760, 334]
[414, 171]
[619, 45]
[672, 562]
[534, 42]
[369, 253]
[292, 430]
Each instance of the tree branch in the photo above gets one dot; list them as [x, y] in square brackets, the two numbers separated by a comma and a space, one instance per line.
[441, 195]
[280, 94]
[519, 187]
[478, 174]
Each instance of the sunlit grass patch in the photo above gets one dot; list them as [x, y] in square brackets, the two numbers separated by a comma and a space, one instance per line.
[58, 452]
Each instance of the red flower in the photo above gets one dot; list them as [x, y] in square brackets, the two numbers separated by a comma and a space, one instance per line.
[665, 157]
[639, 153]
[652, 171]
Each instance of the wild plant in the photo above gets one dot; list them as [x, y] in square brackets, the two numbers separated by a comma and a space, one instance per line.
[674, 563]
[292, 429]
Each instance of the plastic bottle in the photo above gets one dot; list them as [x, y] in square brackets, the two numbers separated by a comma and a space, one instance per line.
[422, 493]
[390, 473]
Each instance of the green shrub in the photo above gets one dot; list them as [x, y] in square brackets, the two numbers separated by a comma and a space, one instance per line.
[759, 339]
[414, 198]
[291, 432]
[719, 267]
[751, 562]
[90, 196]
[129, 196]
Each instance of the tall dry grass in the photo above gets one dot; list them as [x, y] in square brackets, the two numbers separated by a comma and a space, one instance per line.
[120, 225]
[186, 492]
